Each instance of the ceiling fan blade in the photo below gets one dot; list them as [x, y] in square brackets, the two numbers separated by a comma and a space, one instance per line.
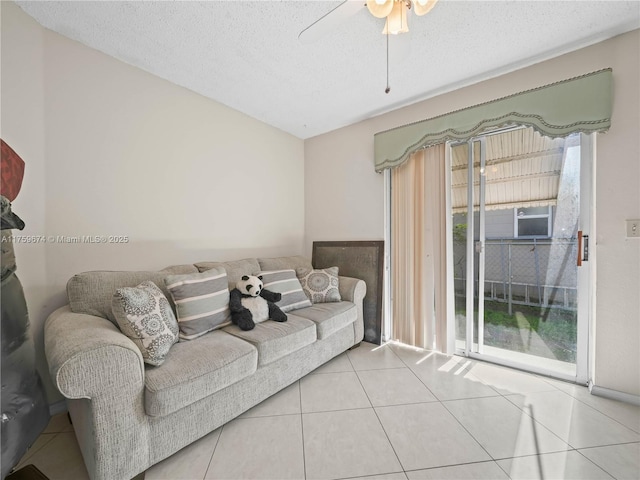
[331, 20]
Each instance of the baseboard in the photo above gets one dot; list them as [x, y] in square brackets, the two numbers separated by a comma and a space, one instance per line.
[614, 394]
[58, 407]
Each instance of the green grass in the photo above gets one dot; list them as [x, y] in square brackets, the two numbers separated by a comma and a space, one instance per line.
[544, 332]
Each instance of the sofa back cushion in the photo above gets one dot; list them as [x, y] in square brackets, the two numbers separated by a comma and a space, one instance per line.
[91, 292]
[284, 263]
[235, 269]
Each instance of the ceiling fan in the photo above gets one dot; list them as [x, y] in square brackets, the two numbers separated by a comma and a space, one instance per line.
[395, 12]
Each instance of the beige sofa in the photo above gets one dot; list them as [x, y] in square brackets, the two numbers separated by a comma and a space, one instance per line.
[128, 416]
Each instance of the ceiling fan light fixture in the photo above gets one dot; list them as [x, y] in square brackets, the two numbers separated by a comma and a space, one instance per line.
[380, 8]
[397, 19]
[422, 7]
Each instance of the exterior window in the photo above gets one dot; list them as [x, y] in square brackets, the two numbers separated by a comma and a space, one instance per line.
[532, 222]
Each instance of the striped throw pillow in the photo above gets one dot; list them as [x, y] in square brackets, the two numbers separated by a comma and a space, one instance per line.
[202, 301]
[286, 283]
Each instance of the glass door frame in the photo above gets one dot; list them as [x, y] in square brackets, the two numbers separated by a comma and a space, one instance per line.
[585, 277]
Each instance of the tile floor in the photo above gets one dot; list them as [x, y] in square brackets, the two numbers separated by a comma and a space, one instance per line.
[398, 413]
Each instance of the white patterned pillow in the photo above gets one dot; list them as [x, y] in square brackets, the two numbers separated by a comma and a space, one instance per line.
[144, 315]
[202, 301]
[287, 284]
[321, 286]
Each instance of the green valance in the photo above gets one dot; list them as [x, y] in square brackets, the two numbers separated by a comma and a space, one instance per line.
[580, 104]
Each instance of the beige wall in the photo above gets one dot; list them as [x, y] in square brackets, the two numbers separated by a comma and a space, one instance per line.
[344, 197]
[112, 150]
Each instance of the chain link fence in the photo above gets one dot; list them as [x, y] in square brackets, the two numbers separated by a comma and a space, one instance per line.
[525, 272]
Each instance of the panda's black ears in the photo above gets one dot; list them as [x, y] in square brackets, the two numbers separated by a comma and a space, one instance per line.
[245, 277]
[260, 277]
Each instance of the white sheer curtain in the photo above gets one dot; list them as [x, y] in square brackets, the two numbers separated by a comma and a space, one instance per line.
[418, 255]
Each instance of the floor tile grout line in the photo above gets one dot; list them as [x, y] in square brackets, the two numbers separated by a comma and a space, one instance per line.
[604, 446]
[552, 453]
[570, 396]
[466, 430]
[213, 451]
[377, 369]
[425, 385]
[609, 445]
[349, 357]
[364, 390]
[293, 414]
[598, 410]
[594, 463]
[382, 345]
[402, 360]
[375, 412]
[451, 465]
[380, 423]
[502, 468]
[328, 373]
[419, 379]
[406, 403]
[473, 361]
[370, 476]
[497, 393]
[549, 380]
[538, 424]
[512, 457]
[480, 380]
[311, 374]
[304, 457]
[29, 454]
[340, 410]
[542, 425]
[419, 403]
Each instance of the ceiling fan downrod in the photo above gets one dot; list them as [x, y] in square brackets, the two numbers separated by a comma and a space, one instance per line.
[388, 89]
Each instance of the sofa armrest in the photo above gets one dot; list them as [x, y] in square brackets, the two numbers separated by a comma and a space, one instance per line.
[354, 290]
[88, 355]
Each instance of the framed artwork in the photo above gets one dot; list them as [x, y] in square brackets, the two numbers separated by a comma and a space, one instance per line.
[363, 260]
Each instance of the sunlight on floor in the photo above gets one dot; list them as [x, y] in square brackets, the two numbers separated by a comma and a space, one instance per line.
[425, 357]
[462, 368]
[453, 362]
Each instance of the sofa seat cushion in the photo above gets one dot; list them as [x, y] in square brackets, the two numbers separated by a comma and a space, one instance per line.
[275, 340]
[329, 317]
[195, 369]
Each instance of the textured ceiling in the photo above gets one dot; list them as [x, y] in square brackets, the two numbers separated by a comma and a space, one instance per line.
[246, 54]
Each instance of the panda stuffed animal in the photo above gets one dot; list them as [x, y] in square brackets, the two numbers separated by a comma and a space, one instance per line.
[250, 303]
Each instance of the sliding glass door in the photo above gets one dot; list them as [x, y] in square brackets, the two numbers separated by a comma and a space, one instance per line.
[519, 226]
